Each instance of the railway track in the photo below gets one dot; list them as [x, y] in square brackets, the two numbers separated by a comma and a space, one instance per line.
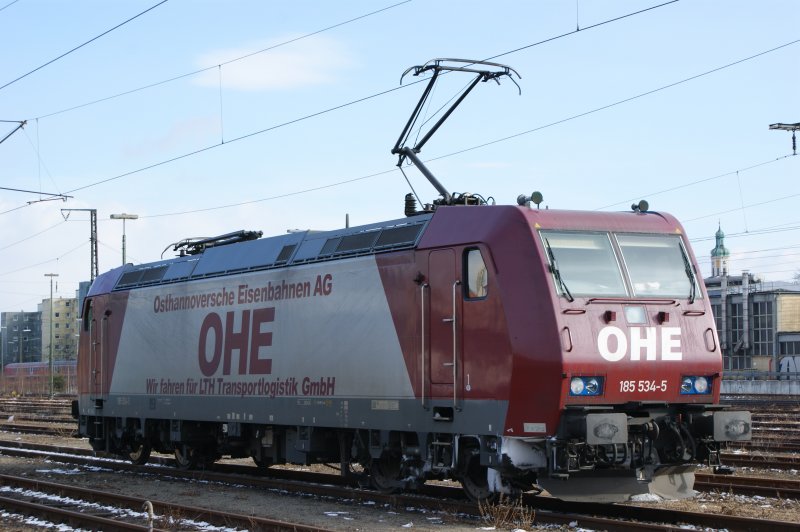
[758, 461]
[87, 508]
[731, 457]
[435, 497]
[66, 431]
[745, 485]
[33, 405]
[775, 431]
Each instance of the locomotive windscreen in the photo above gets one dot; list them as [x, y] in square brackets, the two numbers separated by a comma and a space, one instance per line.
[656, 265]
[587, 264]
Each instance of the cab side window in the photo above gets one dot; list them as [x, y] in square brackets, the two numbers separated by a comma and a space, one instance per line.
[476, 274]
[87, 315]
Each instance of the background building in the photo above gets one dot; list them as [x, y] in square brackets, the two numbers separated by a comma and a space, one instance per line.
[65, 328]
[758, 323]
[21, 337]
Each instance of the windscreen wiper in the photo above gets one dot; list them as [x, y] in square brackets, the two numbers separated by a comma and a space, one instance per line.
[690, 274]
[556, 272]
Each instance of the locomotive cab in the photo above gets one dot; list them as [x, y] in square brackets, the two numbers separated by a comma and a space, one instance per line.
[640, 360]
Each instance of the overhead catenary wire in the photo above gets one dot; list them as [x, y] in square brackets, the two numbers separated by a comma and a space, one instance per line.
[335, 184]
[451, 154]
[707, 260]
[9, 4]
[613, 104]
[306, 117]
[25, 239]
[760, 203]
[241, 137]
[697, 182]
[82, 45]
[509, 137]
[48, 261]
[220, 65]
[593, 26]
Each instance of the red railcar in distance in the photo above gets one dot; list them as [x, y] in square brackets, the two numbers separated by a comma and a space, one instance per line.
[33, 378]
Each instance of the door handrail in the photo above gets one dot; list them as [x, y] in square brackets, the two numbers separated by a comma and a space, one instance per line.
[454, 322]
[422, 288]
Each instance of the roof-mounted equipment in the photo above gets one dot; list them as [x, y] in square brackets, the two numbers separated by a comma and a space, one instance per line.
[194, 246]
[490, 71]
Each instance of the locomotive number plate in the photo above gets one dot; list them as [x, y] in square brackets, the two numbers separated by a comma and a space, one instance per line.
[643, 386]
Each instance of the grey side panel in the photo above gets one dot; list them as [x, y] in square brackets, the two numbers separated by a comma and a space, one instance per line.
[476, 417]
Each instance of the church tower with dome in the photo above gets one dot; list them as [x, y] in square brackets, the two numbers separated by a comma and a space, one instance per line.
[719, 256]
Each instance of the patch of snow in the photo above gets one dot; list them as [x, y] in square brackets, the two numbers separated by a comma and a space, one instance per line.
[646, 497]
[74, 471]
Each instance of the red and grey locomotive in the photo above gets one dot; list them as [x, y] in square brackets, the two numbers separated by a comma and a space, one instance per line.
[508, 347]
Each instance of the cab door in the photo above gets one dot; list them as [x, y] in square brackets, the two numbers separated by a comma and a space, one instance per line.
[98, 335]
[444, 323]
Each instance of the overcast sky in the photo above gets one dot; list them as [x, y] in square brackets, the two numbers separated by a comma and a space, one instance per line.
[672, 105]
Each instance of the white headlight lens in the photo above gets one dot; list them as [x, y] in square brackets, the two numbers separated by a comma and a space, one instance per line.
[695, 386]
[576, 386]
[701, 385]
[592, 386]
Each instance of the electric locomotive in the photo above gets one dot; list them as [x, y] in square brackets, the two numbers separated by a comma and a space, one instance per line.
[505, 346]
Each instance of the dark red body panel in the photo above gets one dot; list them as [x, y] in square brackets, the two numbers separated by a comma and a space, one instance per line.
[525, 342]
[512, 341]
[97, 351]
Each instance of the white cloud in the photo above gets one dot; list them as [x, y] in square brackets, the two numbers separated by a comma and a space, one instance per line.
[316, 60]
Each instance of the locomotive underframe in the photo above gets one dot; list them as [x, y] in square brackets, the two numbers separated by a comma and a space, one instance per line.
[644, 442]
[391, 460]
[643, 447]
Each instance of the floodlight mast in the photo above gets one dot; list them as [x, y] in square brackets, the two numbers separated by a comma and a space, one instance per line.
[437, 67]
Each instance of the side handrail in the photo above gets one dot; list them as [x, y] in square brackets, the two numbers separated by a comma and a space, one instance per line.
[455, 343]
[422, 288]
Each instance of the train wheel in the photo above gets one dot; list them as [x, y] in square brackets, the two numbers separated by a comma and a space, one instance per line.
[475, 481]
[385, 473]
[140, 453]
[185, 457]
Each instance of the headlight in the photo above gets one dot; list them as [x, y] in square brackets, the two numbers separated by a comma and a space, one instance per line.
[695, 385]
[701, 385]
[586, 386]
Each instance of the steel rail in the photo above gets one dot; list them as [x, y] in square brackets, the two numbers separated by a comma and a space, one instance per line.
[191, 513]
[60, 515]
[548, 509]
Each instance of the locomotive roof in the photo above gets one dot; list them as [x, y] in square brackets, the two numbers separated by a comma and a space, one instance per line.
[267, 253]
[452, 224]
